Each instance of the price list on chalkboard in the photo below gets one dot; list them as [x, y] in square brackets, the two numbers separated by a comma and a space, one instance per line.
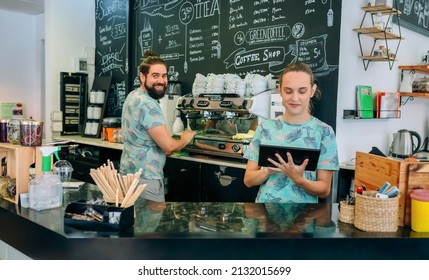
[111, 53]
[241, 37]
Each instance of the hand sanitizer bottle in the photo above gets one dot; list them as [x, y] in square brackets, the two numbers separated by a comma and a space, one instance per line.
[46, 190]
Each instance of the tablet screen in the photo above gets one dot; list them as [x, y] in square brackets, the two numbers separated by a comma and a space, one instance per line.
[298, 155]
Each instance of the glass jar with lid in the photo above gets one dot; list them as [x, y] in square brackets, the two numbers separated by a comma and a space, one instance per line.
[13, 131]
[3, 131]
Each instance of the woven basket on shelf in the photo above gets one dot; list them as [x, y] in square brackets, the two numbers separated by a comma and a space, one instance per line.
[376, 214]
[347, 212]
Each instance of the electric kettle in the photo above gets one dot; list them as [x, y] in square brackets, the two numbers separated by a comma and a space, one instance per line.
[423, 154]
[403, 145]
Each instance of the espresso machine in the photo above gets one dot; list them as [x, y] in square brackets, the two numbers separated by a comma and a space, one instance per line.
[219, 118]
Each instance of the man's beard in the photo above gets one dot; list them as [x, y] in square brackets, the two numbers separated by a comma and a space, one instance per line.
[153, 92]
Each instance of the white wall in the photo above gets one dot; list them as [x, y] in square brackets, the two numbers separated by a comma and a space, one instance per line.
[35, 49]
[70, 27]
[362, 135]
[20, 61]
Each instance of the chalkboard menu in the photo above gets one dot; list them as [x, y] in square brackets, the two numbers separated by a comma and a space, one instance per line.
[111, 50]
[241, 37]
[415, 15]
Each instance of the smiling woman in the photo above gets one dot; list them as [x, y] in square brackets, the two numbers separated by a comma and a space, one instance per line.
[285, 179]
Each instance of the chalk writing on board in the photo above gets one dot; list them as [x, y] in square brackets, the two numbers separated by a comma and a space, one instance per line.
[415, 15]
[193, 35]
[419, 9]
[114, 60]
[313, 52]
[240, 37]
[114, 104]
[111, 49]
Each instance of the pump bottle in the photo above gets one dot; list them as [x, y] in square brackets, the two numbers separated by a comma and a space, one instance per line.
[45, 190]
[178, 126]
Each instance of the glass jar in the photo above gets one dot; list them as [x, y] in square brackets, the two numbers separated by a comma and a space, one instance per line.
[13, 131]
[3, 131]
[31, 133]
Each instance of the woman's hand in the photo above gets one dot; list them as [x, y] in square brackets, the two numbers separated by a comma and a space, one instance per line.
[289, 168]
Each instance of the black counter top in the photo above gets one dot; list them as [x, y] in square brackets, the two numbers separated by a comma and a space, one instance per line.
[180, 230]
[208, 159]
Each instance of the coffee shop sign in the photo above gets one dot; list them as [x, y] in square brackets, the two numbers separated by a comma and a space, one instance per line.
[242, 58]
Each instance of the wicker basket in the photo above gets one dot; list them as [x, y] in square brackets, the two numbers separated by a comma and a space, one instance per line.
[376, 214]
[347, 212]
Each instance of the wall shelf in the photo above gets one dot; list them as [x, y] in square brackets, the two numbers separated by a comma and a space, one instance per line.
[417, 68]
[349, 114]
[422, 69]
[383, 9]
[377, 34]
[415, 94]
[376, 58]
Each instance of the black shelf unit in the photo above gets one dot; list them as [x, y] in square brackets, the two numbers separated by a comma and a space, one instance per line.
[379, 34]
[73, 98]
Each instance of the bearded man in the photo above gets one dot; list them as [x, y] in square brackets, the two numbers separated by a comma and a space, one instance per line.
[145, 136]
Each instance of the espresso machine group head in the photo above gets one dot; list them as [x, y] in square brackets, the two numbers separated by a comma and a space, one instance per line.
[218, 117]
